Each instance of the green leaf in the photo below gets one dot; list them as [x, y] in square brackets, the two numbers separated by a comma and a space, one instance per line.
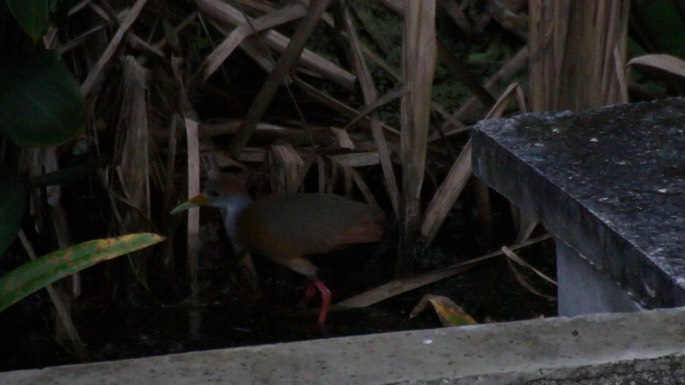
[49, 268]
[663, 22]
[12, 190]
[40, 101]
[32, 15]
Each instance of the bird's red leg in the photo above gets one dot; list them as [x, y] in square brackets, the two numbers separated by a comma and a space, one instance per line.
[309, 292]
[325, 300]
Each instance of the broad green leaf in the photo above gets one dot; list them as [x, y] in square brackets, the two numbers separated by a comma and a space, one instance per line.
[32, 15]
[663, 22]
[12, 190]
[40, 101]
[49, 268]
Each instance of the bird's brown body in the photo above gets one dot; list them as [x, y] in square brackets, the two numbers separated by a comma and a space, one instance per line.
[286, 227]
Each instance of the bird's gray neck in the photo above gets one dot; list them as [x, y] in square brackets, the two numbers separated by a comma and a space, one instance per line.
[234, 205]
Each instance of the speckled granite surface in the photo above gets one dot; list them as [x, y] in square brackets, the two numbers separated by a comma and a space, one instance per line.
[610, 182]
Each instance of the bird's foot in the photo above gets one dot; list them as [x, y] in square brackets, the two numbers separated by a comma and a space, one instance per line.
[325, 301]
[309, 293]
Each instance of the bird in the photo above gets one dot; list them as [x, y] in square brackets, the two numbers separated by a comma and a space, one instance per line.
[287, 227]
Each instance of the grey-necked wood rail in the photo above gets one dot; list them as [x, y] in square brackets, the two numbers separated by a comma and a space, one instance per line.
[286, 227]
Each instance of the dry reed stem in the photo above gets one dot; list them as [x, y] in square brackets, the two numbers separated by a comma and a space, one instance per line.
[396, 92]
[514, 257]
[513, 66]
[96, 72]
[379, 102]
[321, 174]
[361, 185]
[580, 49]
[275, 78]
[338, 106]
[168, 191]
[370, 95]
[396, 6]
[230, 126]
[358, 159]
[524, 224]
[171, 37]
[401, 286]
[253, 48]
[418, 60]
[60, 224]
[464, 75]
[233, 40]
[61, 227]
[661, 63]
[454, 11]
[511, 256]
[134, 171]
[193, 234]
[230, 16]
[444, 198]
[455, 181]
[287, 168]
[343, 138]
[190, 123]
[134, 150]
[503, 75]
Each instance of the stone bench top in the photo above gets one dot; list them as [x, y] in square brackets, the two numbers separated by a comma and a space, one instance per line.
[610, 183]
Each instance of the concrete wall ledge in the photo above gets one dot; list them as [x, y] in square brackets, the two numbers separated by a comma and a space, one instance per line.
[590, 349]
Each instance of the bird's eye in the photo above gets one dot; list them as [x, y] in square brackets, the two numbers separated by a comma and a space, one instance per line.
[213, 193]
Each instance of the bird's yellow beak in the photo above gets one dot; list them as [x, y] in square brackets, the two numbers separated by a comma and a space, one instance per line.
[197, 200]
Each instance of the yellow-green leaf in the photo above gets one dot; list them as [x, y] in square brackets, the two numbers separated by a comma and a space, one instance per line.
[450, 313]
[49, 268]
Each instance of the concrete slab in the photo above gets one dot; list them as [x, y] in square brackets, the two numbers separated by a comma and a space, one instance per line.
[544, 351]
[610, 183]
[592, 292]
